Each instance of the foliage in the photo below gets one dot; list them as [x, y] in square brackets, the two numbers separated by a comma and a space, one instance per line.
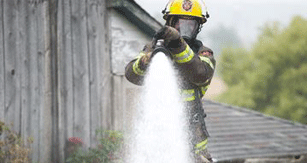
[12, 148]
[107, 151]
[272, 76]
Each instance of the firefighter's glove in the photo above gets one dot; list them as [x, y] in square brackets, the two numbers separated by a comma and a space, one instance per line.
[171, 37]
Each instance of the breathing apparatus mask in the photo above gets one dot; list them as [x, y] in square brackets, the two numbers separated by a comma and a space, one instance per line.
[188, 28]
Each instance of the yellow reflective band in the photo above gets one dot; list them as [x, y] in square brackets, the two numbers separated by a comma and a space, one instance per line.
[204, 89]
[136, 68]
[207, 60]
[202, 145]
[188, 94]
[192, 98]
[188, 91]
[184, 56]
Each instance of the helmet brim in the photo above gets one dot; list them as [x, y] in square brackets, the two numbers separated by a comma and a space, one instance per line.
[201, 19]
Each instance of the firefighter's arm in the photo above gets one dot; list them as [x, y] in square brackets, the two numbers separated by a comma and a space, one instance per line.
[197, 68]
[135, 70]
[200, 68]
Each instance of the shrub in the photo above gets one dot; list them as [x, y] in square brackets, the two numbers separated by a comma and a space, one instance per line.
[12, 148]
[107, 151]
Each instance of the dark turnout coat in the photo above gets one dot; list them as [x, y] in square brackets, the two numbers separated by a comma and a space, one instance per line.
[196, 72]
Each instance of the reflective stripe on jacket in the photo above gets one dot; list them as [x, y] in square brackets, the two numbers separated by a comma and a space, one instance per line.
[196, 70]
[191, 95]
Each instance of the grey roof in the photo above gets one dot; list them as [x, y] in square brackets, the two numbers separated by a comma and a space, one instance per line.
[238, 133]
[137, 15]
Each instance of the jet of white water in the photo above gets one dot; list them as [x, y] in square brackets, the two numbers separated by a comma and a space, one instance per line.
[161, 131]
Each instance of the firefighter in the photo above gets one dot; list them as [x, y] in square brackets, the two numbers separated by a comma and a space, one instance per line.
[195, 62]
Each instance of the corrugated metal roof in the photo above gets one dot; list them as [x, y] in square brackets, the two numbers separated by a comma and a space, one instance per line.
[238, 133]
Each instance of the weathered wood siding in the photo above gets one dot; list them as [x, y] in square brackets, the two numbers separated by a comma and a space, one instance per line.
[85, 75]
[127, 41]
[1, 64]
[23, 68]
[55, 72]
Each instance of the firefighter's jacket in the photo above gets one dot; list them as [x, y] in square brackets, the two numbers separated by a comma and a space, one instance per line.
[196, 66]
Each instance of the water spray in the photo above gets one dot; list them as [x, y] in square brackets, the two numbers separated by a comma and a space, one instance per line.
[161, 128]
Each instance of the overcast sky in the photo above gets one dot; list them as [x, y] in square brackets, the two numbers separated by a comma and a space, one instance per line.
[246, 16]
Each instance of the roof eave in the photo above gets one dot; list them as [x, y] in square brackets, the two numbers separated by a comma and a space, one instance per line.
[134, 13]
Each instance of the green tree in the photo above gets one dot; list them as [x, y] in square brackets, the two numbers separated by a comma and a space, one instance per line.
[272, 76]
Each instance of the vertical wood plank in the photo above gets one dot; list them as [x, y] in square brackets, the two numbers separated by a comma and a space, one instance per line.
[93, 25]
[61, 129]
[23, 49]
[53, 6]
[30, 22]
[39, 89]
[46, 113]
[81, 72]
[106, 77]
[2, 64]
[118, 96]
[66, 105]
[12, 65]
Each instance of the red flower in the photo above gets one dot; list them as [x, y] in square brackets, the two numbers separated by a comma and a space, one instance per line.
[75, 140]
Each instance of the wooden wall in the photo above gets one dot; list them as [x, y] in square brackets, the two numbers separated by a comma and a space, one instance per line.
[55, 77]
[127, 40]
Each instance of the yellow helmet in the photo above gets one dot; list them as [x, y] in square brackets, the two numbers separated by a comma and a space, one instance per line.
[190, 8]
